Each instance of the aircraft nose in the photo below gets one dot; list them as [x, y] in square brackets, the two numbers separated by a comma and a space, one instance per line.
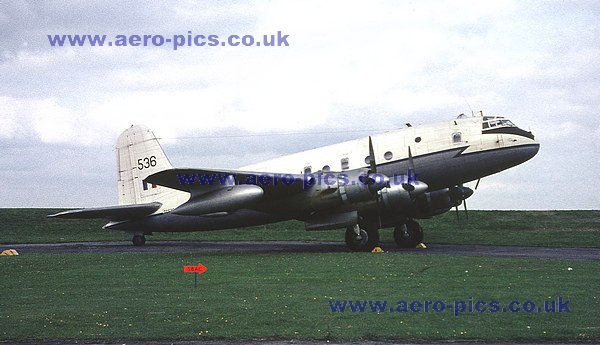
[530, 150]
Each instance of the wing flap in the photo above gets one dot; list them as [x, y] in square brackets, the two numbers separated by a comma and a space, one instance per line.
[113, 213]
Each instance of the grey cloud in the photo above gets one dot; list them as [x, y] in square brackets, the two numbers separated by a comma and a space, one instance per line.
[538, 64]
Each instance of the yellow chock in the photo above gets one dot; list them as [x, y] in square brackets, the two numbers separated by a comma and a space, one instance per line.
[377, 250]
[9, 252]
[421, 246]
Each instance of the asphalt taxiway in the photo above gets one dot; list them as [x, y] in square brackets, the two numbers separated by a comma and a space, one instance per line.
[300, 247]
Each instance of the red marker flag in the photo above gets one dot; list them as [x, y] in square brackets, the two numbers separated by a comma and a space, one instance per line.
[197, 269]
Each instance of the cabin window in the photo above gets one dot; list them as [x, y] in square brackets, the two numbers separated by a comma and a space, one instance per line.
[388, 155]
[345, 163]
[326, 168]
[486, 125]
[368, 160]
[307, 169]
[456, 137]
[417, 139]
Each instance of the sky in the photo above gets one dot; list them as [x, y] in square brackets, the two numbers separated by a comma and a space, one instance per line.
[351, 69]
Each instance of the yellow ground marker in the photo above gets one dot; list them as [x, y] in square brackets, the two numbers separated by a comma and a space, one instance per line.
[421, 246]
[9, 252]
[377, 250]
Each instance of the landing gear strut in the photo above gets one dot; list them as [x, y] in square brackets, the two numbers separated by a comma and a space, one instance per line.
[408, 234]
[139, 240]
[362, 240]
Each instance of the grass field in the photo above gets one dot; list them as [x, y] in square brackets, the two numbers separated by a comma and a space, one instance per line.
[122, 296]
[529, 228]
[147, 296]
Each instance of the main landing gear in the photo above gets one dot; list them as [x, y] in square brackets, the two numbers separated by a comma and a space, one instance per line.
[139, 240]
[408, 234]
[363, 238]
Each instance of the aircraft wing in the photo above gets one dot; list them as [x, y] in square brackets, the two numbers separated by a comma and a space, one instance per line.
[199, 181]
[113, 213]
[214, 191]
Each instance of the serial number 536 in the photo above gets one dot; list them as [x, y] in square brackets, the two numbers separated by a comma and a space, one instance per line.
[146, 162]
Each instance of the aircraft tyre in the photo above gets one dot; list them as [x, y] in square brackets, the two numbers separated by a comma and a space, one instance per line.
[369, 239]
[409, 234]
[139, 240]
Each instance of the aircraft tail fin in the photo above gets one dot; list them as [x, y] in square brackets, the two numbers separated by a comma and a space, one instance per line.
[139, 155]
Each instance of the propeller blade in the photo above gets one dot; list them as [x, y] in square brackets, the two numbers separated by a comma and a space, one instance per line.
[466, 211]
[372, 164]
[457, 216]
[373, 170]
[411, 163]
[477, 184]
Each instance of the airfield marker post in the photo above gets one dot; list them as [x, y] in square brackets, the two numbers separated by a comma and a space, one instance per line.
[197, 270]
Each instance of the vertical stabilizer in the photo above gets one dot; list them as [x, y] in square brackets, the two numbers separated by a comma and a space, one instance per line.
[139, 155]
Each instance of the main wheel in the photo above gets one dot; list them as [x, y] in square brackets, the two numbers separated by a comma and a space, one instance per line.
[408, 235]
[368, 240]
[139, 240]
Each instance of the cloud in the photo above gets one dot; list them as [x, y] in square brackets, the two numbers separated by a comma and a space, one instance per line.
[349, 66]
[44, 119]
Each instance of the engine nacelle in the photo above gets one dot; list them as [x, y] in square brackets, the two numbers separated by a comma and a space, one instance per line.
[328, 190]
[440, 201]
[221, 200]
[355, 186]
[401, 195]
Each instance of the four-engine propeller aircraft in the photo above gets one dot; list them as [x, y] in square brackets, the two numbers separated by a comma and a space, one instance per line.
[362, 185]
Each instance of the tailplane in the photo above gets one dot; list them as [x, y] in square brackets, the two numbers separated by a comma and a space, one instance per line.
[139, 155]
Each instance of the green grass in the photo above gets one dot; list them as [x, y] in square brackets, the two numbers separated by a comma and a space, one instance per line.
[528, 228]
[286, 295]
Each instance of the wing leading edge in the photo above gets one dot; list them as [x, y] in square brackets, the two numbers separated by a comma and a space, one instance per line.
[198, 181]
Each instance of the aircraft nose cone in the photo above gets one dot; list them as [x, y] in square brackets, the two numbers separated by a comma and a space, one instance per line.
[531, 150]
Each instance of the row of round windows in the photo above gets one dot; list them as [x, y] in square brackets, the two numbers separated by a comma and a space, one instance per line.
[388, 155]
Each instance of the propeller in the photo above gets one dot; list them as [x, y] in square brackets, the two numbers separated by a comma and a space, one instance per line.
[372, 164]
[411, 162]
[460, 194]
[375, 185]
[373, 170]
[465, 200]
[411, 167]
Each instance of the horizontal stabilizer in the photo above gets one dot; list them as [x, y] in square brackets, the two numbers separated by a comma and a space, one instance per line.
[114, 213]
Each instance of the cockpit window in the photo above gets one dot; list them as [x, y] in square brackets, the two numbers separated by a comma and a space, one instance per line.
[500, 125]
[496, 121]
